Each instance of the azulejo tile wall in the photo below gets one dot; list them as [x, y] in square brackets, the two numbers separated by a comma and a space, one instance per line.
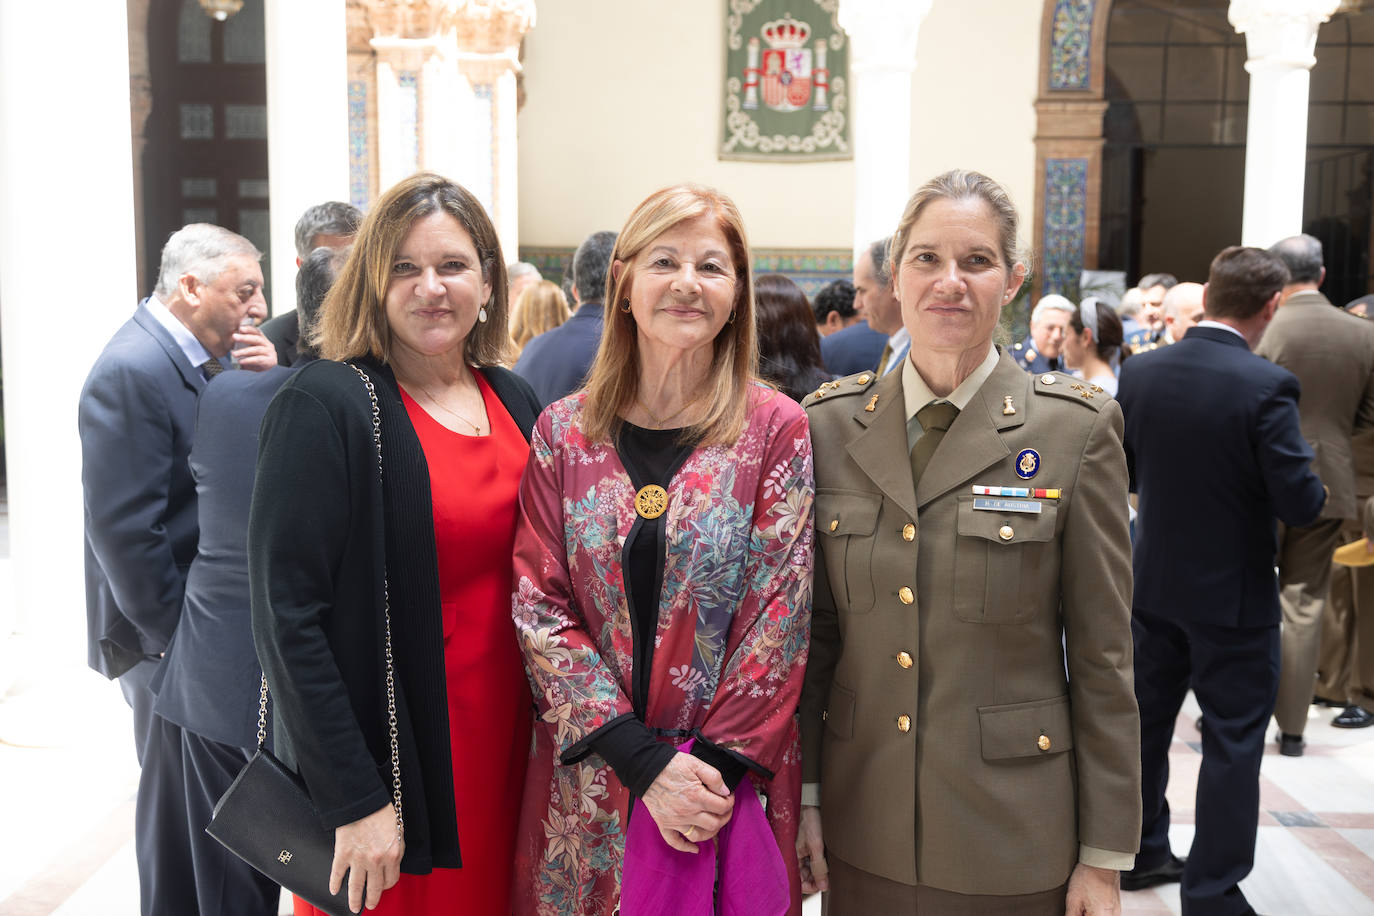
[1070, 53]
[1066, 218]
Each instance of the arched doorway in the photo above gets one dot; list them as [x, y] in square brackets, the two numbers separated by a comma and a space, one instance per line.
[1141, 142]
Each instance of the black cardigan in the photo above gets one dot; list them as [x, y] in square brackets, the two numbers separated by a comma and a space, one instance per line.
[321, 532]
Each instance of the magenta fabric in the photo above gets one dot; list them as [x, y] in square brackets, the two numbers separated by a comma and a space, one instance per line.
[659, 879]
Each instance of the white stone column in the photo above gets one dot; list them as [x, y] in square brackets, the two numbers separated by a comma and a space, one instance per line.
[65, 160]
[882, 57]
[1280, 37]
[307, 123]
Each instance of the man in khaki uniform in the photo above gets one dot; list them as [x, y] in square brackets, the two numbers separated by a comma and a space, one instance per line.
[1332, 354]
[959, 770]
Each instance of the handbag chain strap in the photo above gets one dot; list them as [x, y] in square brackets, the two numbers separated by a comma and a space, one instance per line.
[386, 614]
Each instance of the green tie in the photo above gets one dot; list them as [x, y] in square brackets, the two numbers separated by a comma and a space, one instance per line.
[934, 420]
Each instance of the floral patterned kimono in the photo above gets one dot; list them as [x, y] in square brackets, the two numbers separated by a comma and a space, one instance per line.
[733, 628]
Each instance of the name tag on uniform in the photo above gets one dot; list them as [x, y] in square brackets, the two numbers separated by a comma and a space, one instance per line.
[1030, 506]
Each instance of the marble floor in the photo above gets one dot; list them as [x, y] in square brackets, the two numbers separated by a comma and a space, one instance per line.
[67, 778]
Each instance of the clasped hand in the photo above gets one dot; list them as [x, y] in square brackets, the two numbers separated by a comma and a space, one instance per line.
[369, 851]
[689, 802]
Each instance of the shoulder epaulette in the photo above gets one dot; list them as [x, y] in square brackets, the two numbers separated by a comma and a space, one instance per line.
[1060, 385]
[853, 384]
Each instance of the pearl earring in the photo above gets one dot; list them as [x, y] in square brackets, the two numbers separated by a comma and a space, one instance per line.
[482, 314]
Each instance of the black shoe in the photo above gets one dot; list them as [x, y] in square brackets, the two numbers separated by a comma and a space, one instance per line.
[1290, 745]
[1167, 872]
[1323, 701]
[1353, 717]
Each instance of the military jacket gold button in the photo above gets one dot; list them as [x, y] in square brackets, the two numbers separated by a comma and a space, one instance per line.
[1005, 533]
[904, 723]
[1043, 742]
[906, 595]
[863, 380]
[834, 523]
[908, 532]
[904, 659]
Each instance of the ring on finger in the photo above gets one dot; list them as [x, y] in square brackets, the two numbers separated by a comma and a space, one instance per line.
[690, 832]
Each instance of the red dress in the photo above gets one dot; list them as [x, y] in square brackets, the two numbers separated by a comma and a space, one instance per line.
[473, 483]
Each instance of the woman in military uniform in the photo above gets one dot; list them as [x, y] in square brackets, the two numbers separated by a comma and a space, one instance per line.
[968, 716]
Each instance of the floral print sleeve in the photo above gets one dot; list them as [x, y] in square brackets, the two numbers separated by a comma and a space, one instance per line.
[752, 712]
[574, 690]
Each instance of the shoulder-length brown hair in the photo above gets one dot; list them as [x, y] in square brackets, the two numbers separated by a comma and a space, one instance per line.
[540, 307]
[613, 380]
[352, 320]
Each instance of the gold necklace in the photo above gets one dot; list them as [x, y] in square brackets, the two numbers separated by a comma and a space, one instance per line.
[660, 423]
[476, 430]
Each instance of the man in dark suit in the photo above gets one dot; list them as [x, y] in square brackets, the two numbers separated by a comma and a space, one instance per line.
[331, 224]
[135, 420]
[1332, 354]
[1215, 452]
[556, 362]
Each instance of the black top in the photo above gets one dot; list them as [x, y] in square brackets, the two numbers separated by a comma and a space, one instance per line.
[650, 456]
[324, 534]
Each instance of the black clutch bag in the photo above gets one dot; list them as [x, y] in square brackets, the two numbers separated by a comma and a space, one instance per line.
[266, 817]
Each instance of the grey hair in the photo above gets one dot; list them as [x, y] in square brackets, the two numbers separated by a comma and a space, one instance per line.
[200, 250]
[318, 272]
[591, 264]
[333, 217]
[1150, 281]
[1130, 303]
[1052, 302]
[1302, 255]
[882, 266]
[518, 269]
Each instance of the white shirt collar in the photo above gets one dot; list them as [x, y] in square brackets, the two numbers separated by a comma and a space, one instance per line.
[918, 394]
[1207, 323]
[195, 351]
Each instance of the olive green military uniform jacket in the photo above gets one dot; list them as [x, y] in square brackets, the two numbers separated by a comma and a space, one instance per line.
[951, 749]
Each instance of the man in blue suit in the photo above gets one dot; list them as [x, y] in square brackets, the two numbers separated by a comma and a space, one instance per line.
[135, 420]
[1216, 453]
[556, 362]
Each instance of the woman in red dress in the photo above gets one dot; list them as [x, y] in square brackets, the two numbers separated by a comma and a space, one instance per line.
[420, 310]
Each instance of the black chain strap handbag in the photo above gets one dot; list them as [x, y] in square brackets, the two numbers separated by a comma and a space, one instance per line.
[266, 817]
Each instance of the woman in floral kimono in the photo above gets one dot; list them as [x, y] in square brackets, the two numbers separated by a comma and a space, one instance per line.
[662, 566]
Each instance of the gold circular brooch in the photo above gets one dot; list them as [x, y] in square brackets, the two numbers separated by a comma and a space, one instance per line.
[651, 501]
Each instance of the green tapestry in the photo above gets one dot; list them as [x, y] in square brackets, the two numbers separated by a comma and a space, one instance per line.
[786, 81]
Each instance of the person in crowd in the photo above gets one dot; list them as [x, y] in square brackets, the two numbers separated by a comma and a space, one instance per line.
[556, 362]
[1153, 288]
[876, 301]
[540, 307]
[679, 474]
[789, 346]
[1183, 308]
[331, 224]
[1216, 454]
[834, 307]
[520, 275]
[1332, 355]
[1129, 310]
[1345, 662]
[316, 277]
[136, 420]
[1093, 344]
[959, 769]
[350, 562]
[1043, 349]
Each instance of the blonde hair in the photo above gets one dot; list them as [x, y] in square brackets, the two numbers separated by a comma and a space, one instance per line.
[540, 307]
[613, 381]
[960, 184]
[352, 321]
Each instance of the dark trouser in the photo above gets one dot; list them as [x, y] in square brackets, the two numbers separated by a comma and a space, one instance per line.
[162, 842]
[854, 892]
[1234, 674]
[225, 884]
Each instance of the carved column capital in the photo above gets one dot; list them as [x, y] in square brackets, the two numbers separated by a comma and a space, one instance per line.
[1280, 33]
[883, 33]
[490, 26]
